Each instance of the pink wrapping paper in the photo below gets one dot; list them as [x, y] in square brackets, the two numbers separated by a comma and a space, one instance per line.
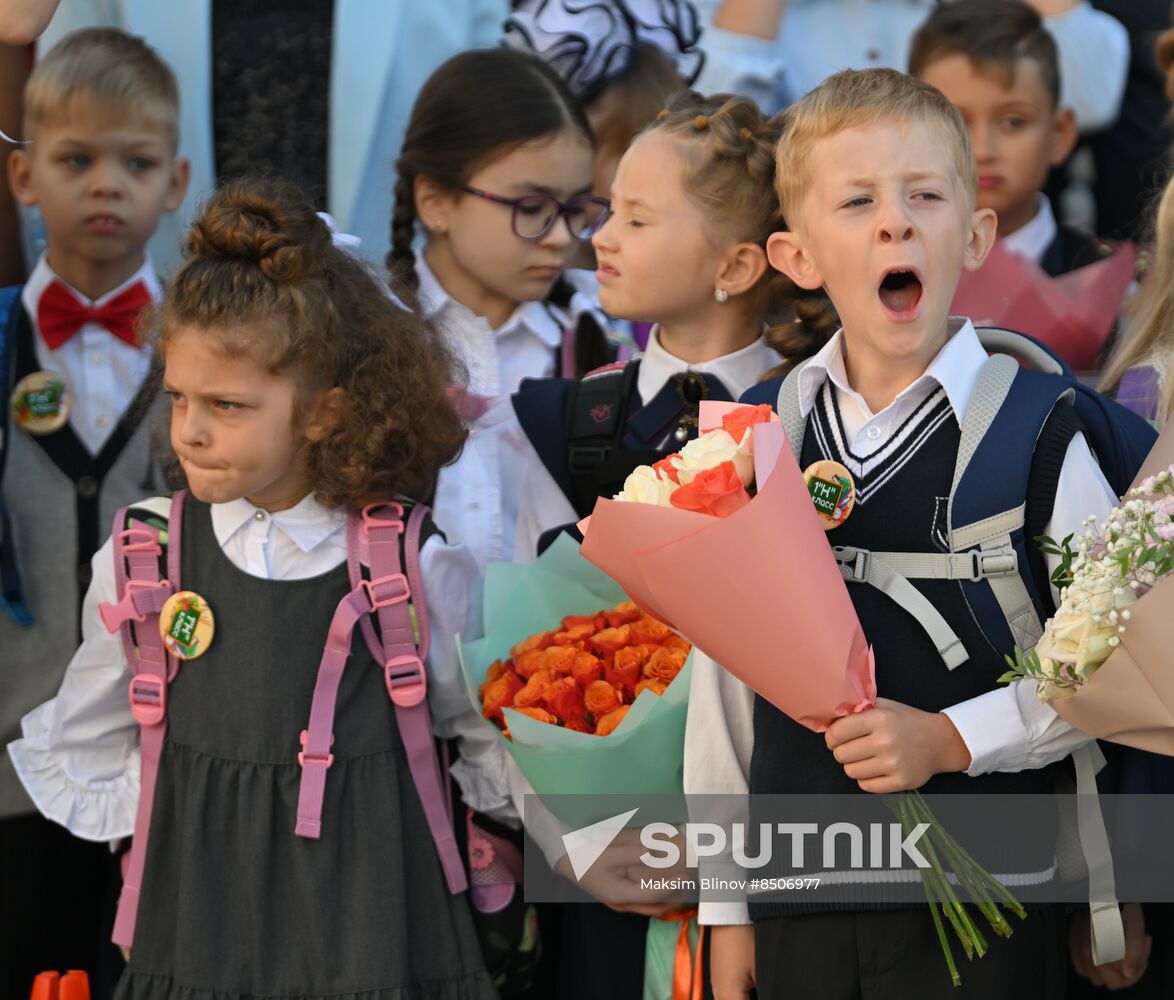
[758, 591]
[1073, 314]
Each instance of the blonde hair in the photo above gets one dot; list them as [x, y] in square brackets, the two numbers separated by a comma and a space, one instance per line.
[729, 172]
[1152, 312]
[855, 98]
[110, 67]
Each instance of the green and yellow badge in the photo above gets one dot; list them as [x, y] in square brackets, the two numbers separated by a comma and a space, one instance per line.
[186, 625]
[833, 493]
[40, 402]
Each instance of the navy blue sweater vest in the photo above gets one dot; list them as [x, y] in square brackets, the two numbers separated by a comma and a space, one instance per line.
[903, 490]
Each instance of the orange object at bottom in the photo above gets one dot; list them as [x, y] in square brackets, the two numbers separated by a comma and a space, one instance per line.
[74, 985]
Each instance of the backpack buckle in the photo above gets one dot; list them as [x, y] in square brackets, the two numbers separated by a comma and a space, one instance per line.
[148, 541]
[305, 758]
[114, 616]
[856, 561]
[990, 564]
[406, 681]
[377, 590]
[584, 458]
[368, 521]
[148, 699]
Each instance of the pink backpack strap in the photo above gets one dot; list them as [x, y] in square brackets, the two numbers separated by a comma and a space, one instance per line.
[136, 572]
[376, 532]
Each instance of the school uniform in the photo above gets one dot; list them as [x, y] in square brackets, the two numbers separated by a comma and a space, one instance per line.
[902, 460]
[1056, 249]
[233, 903]
[60, 491]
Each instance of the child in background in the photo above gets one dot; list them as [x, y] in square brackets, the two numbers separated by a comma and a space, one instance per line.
[496, 172]
[877, 182]
[996, 63]
[102, 112]
[300, 394]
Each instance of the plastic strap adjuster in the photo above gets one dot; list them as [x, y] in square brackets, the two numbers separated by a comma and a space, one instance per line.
[144, 688]
[367, 522]
[305, 758]
[856, 560]
[988, 564]
[406, 681]
[114, 615]
[372, 588]
[149, 541]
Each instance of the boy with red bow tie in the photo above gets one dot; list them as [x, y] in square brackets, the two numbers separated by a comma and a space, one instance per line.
[102, 112]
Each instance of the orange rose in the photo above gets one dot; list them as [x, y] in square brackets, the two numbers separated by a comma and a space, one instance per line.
[675, 641]
[540, 641]
[541, 714]
[579, 725]
[666, 468]
[531, 694]
[601, 698]
[648, 629]
[606, 725]
[559, 659]
[565, 699]
[611, 639]
[586, 668]
[652, 684]
[623, 614]
[496, 669]
[499, 695]
[624, 669]
[526, 663]
[736, 421]
[665, 664]
[577, 635]
[717, 491]
[595, 621]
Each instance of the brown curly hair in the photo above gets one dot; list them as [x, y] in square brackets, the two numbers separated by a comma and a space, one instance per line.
[264, 279]
[730, 175]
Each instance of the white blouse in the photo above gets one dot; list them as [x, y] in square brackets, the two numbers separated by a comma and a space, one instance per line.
[79, 755]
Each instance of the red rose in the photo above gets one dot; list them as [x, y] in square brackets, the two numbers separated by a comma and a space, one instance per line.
[565, 699]
[736, 421]
[717, 491]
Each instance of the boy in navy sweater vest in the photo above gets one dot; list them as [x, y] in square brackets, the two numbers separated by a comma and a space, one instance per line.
[877, 183]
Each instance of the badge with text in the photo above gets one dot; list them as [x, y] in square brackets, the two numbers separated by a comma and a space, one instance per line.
[833, 493]
[187, 625]
[40, 402]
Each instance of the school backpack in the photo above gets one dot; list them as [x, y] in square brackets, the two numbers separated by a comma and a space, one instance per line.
[1025, 409]
[147, 543]
[11, 589]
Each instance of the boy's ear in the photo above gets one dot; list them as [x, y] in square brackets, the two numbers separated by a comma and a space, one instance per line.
[983, 224]
[324, 414]
[433, 204]
[20, 177]
[741, 268]
[786, 253]
[1064, 135]
[181, 175]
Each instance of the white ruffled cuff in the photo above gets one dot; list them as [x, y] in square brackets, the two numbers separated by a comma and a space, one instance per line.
[485, 786]
[98, 809]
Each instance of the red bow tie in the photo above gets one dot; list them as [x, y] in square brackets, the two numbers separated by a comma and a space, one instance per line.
[60, 315]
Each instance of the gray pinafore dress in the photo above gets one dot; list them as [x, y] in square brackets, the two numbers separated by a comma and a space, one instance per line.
[233, 904]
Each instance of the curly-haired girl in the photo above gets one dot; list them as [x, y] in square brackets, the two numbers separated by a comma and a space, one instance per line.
[306, 409]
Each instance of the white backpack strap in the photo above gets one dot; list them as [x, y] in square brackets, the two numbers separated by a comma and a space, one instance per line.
[992, 535]
[1107, 930]
[794, 423]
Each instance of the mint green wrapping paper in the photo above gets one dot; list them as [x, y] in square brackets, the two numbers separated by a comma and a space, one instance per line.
[644, 756]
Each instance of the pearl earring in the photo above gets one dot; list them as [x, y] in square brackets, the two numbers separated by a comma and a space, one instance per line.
[720, 295]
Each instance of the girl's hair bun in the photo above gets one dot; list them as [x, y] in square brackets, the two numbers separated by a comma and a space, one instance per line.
[271, 224]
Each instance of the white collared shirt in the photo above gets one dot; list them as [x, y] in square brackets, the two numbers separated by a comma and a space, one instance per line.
[737, 371]
[1033, 239]
[1006, 729]
[498, 358]
[79, 758]
[104, 373]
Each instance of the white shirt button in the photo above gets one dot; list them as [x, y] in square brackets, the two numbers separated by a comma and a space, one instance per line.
[97, 359]
[874, 433]
[474, 505]
[102, 422]
[260, 515]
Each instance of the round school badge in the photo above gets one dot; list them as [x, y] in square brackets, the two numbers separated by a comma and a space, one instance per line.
[186, 625]
[40, 402]
[833, 493]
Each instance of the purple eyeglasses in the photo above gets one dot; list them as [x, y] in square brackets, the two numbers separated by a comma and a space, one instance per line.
[534, 215]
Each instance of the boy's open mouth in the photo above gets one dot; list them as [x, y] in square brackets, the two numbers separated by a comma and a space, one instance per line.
[900, 293]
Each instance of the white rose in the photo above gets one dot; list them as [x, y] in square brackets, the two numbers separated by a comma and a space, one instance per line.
[708, 452]
[646, 485]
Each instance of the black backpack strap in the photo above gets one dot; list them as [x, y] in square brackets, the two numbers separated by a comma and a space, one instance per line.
[1051, 447]
[11, 588]
[595, 417]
